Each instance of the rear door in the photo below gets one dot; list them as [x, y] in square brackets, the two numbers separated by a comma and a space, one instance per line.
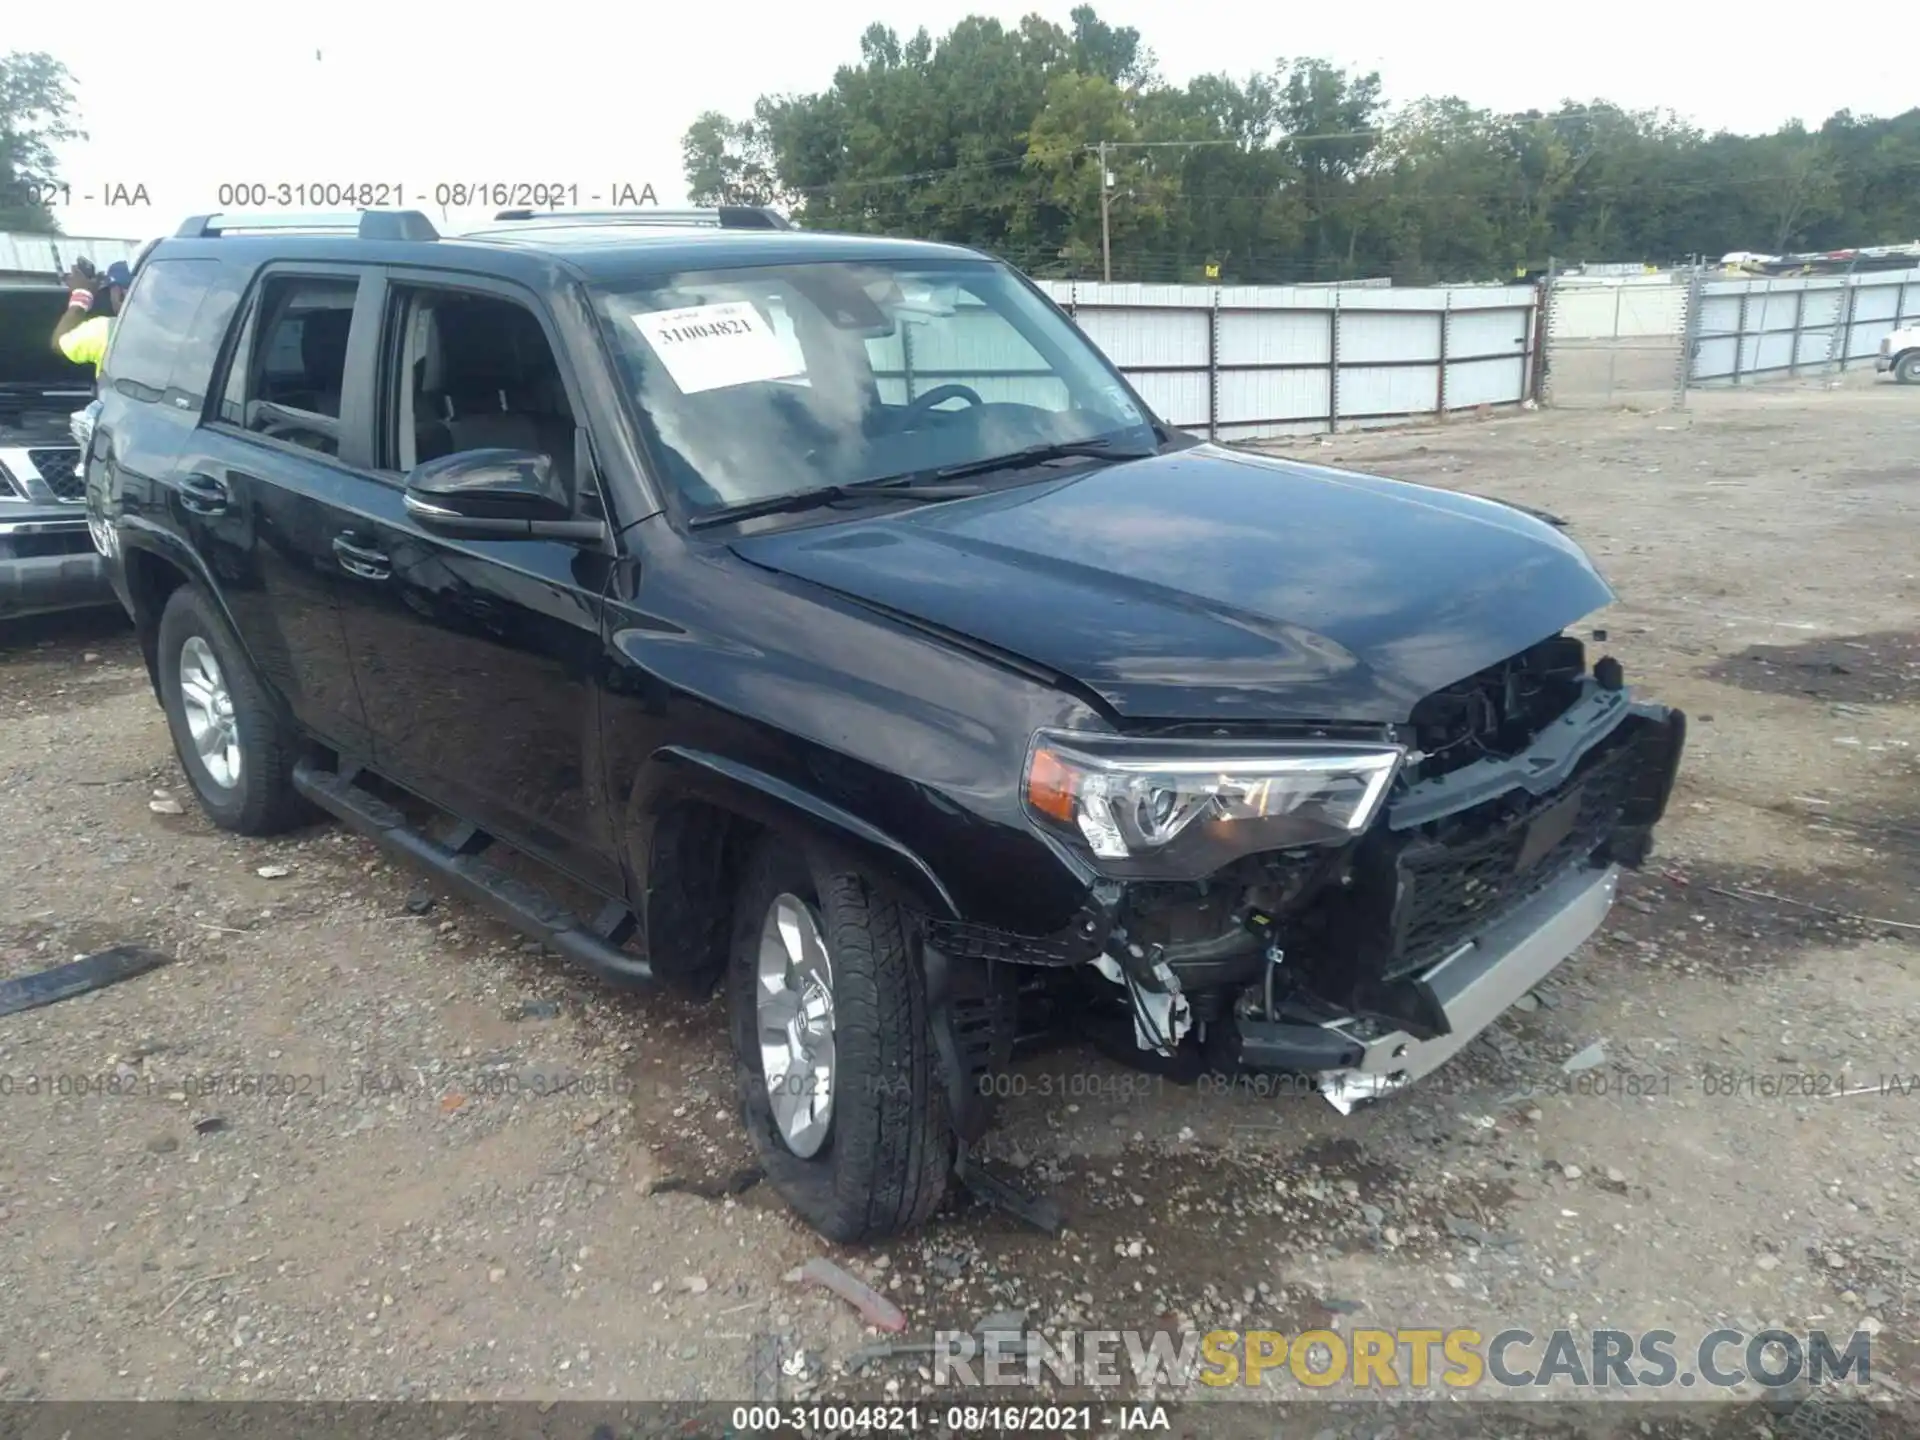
[153, 390]
[264, 486]
[477, 658]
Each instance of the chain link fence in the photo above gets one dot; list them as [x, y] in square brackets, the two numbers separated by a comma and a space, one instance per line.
[1618, 342]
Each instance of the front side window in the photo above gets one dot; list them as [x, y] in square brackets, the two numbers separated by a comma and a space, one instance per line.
[758, 382]
[473, 372]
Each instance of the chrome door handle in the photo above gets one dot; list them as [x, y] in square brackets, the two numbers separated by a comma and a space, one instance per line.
[203, 495]
[361, 560]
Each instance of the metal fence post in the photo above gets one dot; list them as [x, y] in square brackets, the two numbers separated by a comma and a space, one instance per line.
[1549, 299]
[1689, 335]
[1333, 363]
[1535, 341]
[1799, 322]
[1840, 341]
[1613, 350]
[1740, 333]
[1846, 324]
[1446, 324]
[1213, 367]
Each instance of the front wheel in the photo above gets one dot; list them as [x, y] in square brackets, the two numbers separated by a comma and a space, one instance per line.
[839, 1081]
[236, 749]
[1907, 371]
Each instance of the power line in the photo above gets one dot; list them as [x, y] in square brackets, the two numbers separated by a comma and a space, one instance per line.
[1273, 143]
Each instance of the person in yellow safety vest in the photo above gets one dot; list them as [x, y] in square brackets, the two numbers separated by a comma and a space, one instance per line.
[81, 339]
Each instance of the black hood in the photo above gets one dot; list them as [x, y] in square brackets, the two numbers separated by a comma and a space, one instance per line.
[1208, 584]
[39, 387]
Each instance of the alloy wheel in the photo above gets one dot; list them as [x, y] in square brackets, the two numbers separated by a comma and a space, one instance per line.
[793, 1015]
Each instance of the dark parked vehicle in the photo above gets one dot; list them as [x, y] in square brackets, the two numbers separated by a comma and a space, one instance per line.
[833, 614]
[47, 560]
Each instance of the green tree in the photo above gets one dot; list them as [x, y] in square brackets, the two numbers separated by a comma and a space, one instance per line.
[988, 136]
[36, 116]
[1331, 119]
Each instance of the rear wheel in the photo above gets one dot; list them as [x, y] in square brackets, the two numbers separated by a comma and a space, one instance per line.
[1907, 370]
[236, 749]
[839, 1083]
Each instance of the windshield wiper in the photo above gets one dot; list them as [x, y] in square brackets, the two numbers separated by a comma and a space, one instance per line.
[918, 485]
[1040, 454]
[809, 499]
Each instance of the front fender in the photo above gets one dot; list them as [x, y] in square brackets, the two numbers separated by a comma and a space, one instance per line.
[675, 773]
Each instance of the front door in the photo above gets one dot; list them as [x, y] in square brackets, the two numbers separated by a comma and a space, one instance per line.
[476, 659]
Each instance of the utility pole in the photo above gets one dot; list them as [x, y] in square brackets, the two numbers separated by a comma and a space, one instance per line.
[1106, 235]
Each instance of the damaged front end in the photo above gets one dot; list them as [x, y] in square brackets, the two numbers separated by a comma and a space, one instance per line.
[1411, 902]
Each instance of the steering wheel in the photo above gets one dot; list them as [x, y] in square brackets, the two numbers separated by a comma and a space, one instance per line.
[939, 395]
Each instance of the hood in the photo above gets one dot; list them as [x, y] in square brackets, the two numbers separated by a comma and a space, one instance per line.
[39, 387]
[1208, 584]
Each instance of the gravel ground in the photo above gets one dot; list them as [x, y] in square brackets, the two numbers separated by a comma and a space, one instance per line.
[360, 1141]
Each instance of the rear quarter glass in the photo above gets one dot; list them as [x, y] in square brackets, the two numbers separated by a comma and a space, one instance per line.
[167, 342]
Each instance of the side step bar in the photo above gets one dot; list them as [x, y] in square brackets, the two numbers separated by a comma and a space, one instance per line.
[522, 905]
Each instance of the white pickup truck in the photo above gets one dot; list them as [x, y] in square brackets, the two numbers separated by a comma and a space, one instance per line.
[1900, 353]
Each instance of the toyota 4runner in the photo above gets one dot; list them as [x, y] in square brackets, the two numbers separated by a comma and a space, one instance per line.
[839, 620]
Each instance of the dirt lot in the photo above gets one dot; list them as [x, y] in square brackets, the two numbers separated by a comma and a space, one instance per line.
[478, 1174]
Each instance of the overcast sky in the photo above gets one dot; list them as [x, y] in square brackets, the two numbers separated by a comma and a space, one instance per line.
[181, 100]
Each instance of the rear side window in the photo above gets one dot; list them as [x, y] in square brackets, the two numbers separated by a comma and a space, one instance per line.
[199, 353]
[156, 332]
[287, 382]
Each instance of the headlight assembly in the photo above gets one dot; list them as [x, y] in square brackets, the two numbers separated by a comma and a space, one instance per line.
[1182, 809]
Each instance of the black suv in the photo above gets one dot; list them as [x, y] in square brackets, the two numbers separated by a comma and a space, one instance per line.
[839, 622]
[47, 560]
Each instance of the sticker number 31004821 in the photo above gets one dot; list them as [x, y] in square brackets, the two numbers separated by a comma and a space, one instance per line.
[707, 347]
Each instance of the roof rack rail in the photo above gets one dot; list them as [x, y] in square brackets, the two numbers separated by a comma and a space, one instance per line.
[727, 217]
[365, 224]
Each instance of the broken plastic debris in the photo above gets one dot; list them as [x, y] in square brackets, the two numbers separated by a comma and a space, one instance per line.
[273, 872]
[1039, 1212]
[1595, 1054]
[1346, 1088]
[874, 1308]
[89, 972]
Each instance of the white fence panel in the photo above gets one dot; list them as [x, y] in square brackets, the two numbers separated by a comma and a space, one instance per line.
[1764, 329]
[1244, 361]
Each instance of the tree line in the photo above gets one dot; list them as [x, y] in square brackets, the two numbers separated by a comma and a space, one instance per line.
[990, 135]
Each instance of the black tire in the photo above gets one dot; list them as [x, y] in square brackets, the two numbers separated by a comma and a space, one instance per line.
[1907, 369]
[883, 1166]
[262, 800]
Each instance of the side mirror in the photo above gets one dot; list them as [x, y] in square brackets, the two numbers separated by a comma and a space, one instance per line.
[495, 495]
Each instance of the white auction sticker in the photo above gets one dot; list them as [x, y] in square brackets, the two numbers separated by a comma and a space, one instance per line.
[706, 347]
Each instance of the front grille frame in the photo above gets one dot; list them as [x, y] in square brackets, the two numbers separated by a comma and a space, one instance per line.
[1454, 878]
[1388, 922]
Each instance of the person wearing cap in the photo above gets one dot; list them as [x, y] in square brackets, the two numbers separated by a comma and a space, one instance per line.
[80, 335]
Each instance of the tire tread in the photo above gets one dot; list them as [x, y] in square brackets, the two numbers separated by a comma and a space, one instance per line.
[269, 805]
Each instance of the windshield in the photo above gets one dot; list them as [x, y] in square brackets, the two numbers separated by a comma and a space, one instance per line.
[753, 383]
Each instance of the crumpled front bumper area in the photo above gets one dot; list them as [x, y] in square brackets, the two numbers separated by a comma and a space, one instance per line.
[1350, 1059]
[1476, 985]
[1454, 996]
